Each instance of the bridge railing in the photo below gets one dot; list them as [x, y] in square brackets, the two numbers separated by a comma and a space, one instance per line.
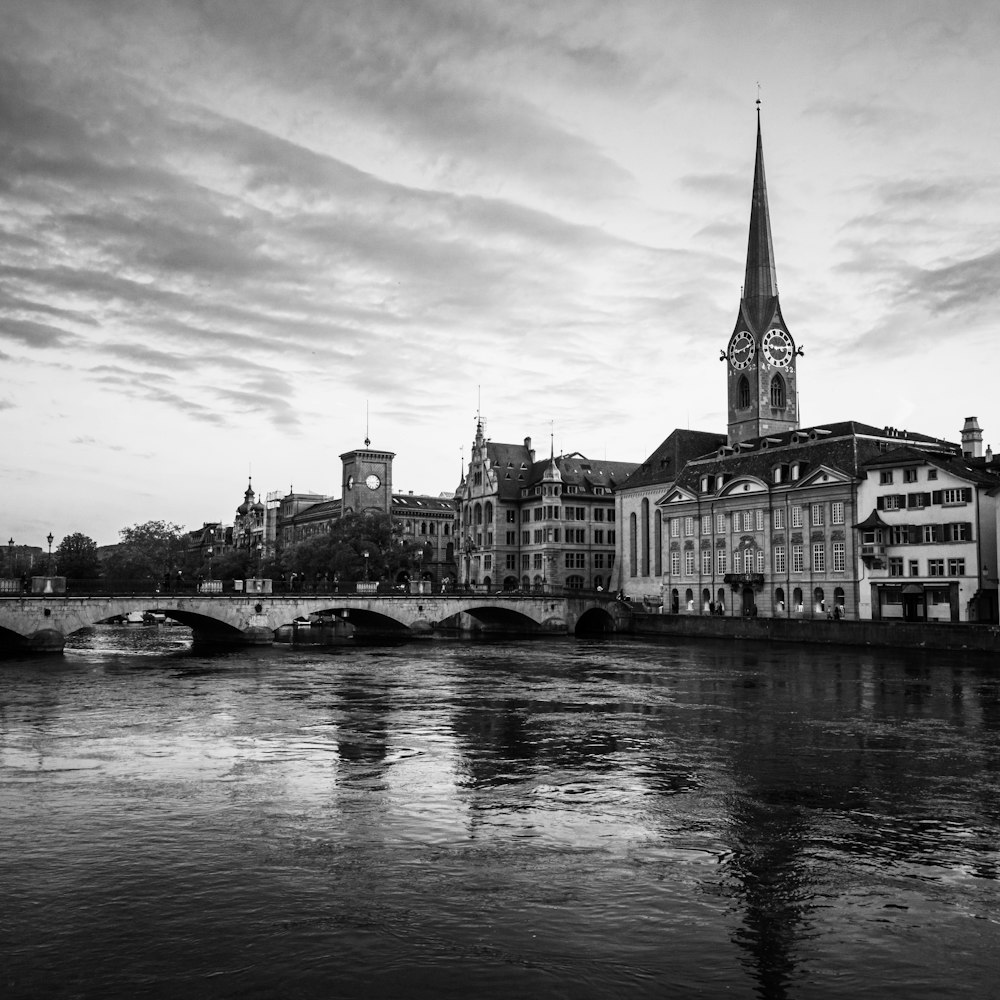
[165, 588]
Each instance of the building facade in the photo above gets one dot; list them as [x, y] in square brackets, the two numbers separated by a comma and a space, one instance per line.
[773, 518]
[535, 524]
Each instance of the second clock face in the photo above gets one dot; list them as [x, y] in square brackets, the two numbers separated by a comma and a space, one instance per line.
[741, 349]
[350, 482]
[373, 482]
[778, 348]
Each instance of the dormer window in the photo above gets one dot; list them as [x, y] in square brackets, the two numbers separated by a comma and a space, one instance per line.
[706, 484]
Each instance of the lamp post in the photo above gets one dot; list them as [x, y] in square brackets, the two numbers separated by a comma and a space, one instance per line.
[365, 554]
[260, 551]
[10, 557]
[50, 536]
[211, 549]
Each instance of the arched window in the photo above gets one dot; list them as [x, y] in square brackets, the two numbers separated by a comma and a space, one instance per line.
[478, 514]
[632, 544]
[574, 582]
[489, 513]
[778, 392]
[743, 393]
[645, 536]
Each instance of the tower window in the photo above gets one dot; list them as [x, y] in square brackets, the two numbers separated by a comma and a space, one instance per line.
[778, 392]
[743, 393]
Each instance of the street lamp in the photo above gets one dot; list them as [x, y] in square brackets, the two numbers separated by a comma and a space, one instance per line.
[211, 543]
[50, 536]
[260, 550]
[365, 554]
[10, 557]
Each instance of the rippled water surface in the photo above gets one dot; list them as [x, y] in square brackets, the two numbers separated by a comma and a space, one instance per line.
[556, 818]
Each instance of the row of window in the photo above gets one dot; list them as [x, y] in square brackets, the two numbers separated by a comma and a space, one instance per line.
[886, 476]
[752, 560]
[570, 536]
[919, 534]
[935, 567]
[917, 501]
[753, 519]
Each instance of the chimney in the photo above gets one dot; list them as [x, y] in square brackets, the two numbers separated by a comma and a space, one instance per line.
[529, 449]
[972, 439]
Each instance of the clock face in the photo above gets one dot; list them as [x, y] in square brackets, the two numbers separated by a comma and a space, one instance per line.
[741, 349]
[778, 348]
[350, 482]
[373, 482]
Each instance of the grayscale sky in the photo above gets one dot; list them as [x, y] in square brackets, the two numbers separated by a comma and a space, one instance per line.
[228, 228]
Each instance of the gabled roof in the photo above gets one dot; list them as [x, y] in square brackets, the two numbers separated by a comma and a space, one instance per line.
[971, 470]
[674, 452]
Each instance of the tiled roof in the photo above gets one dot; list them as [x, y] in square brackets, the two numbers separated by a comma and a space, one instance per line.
[677, 449]
[513, 465]
[972, 470]
[410, 502]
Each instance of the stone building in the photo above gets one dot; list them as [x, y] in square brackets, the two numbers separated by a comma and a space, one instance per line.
[525, 523]
[768, 518]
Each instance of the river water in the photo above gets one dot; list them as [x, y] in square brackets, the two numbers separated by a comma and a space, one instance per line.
[557, 818]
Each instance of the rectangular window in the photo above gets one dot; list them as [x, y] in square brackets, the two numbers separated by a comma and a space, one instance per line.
[837, 512]
[891, 502]
[598, 513]
[797, 560]
[899, 534]
[675, 527]
[819, 557]
[510, 538]
[914, 567]
[909, 475]
[935, 567]
[779, 559]
[818, 512]
[958, 532]
[932, 473]
[689, 526]
[511, 516]
[748, 520]
[928, 533]
[895, 566]
[759, 518]
[885, 477]
[689, 562]
[737, 562]
[536, 560]
[611, 515]
[706, 562]
[487, 562]
[779, 518]
[720, 561]
[538, 536]
[525, 561]
[536, 514]
[760, 560]
[598, 536]
[956, 496]
[675, 563]
[839, 557]
[525, 537]
[510, 561]
[796, 517]
[598, 560]
[706, 525]
[956, 567]
[720, 524]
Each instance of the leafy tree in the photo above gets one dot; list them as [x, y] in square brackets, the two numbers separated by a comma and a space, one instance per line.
[339, 553]
[76, 557]
[150, 550]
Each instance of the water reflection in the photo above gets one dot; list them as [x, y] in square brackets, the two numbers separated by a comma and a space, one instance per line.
[608, 818]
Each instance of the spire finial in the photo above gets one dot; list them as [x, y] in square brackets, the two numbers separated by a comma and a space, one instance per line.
[758, 99]
[367, 438]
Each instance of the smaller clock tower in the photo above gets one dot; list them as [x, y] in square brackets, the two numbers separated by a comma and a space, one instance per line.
[761, 355]
[366, 480]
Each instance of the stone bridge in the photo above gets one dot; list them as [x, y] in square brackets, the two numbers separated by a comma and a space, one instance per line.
[41, 623]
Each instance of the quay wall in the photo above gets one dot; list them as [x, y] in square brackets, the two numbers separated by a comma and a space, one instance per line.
[899, 635]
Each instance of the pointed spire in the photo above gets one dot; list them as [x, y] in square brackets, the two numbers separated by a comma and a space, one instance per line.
[760, 288]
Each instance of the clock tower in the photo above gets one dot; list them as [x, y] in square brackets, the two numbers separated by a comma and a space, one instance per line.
[366, 480]
[761, 355]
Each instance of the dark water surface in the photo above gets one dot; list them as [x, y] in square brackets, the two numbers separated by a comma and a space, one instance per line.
[559, 818]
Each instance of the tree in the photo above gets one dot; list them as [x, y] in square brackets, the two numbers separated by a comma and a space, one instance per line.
[150, 550]
[76, 557]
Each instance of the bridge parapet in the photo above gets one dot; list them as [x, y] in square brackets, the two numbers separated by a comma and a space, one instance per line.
[43, 622]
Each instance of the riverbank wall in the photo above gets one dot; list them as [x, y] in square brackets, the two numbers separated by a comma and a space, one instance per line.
[898, 635]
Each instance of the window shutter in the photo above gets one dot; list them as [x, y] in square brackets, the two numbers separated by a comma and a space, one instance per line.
[927, 499]
[968, 531]
[936, 496]
[967, 494]
[913, 534]
[880, 503]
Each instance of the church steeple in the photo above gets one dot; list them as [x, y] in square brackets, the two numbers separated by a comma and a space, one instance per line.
[761, 371]
[760, 287]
